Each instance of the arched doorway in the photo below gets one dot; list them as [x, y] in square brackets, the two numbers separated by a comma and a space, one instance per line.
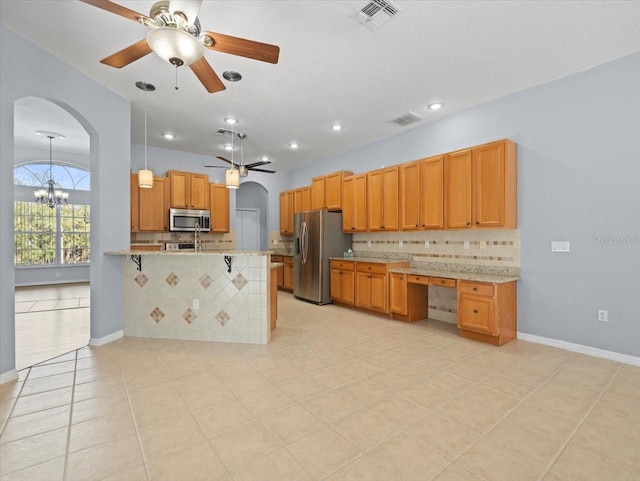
[252, 206]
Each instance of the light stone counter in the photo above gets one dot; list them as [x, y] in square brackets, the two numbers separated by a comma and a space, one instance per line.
[197, 296]
[465, 276]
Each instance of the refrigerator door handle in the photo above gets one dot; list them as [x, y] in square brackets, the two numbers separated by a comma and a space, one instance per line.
[304, 240]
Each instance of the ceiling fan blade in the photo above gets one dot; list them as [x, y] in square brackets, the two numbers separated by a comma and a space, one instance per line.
[263, 170]
[127, 55]
[243, 47]
[216, 166]
[188, 7]
[207, 76]
[117, 9]
[257, 164]
[226, 160]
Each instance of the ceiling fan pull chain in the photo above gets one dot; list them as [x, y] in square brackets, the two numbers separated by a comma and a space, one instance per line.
[176, 87]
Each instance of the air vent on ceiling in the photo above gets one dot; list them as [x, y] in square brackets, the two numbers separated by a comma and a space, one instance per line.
[405, 119]
[376, 13]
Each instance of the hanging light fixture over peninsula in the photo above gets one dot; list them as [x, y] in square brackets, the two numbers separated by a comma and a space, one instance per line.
[232, 175]
[145, 176]
[51, 196]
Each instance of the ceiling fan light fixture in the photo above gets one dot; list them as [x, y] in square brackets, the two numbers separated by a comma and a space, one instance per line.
[174, 45]
[232, 178]
[228, 147]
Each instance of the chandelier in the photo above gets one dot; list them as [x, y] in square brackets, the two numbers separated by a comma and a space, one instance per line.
[51, 196]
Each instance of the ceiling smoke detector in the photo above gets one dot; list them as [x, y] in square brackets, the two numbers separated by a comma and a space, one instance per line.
[405, 119]
[376, 13]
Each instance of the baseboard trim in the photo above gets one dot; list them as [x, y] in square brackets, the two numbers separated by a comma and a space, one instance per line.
[8, 376]
[106, 339]
[589, 351]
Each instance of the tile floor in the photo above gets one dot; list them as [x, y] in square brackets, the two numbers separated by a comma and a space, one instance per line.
[338, 395]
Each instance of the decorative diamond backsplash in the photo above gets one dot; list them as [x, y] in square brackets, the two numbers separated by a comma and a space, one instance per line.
[141, 279]
[157, 314]
[223, 317]
[189, 315]
[205, 281]
[239, 281]
[172, 279]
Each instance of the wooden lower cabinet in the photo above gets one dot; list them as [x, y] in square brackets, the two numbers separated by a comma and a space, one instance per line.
[408, 296]
[487, 312]
[343, 282]
[279, 271]
[287, 283]
[273, 298]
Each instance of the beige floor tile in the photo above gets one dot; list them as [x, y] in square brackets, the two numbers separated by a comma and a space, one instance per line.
[469, 414]
[241, 446]
[577, 464]
[195, 381]
[49, 383]
[323, 452]
[45, 370]
[291, 423]
[249, 384]
[364, 469]
[48, 471]
[364, 391]
[100, 430]
[266, 401]
[207, 397]
[331, 406]
[151, 393]
[100, 406]
[31, 451]
[365, 429]
[130, 474]
[619, 404]
[38, 422]
[223, 417]
[457, 473]
[494, 400]
[198, 462]
[294, 353]
[450, 383]
[548, 423]
[282, 374]
[304, 387]
[277, 465]
[470, 372]
[392, 379]
[138, 379]
[103, 387]
[426, 395]
[159, 411]
[104, 460]
[98, 372]
[42, 401]
[161, 439]
[513, 383]
[548, 399]
[445, 436]
[399, 411]
[410, 458]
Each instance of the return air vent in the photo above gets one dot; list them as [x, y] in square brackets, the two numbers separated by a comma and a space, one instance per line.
[376, 13]
[405, 119]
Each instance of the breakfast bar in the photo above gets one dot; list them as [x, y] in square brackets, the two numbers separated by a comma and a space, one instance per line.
[206, 296]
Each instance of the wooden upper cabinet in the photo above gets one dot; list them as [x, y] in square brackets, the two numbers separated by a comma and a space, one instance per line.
[432, 193]
[360, 203]
[135, 203]
[154, 206]
[317, 193]
[495, 184]
[382, 198]
[410, 197]
[457, 189]
[333, 189]
[286, 212]
[219, 207]
[302, 199]
[188, 190]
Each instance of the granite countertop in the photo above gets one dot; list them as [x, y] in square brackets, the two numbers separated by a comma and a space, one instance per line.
[187, 253]
[275, 265]
[465, 276]
[374, 260]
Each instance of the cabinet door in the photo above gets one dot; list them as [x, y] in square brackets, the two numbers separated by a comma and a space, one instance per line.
[153, 211]
[335, 285]
[398, 293]
[219, 207]
[390, 198]
[348, 287]
[375, 200]
[199, 191]
[288, 276]
[301, 199]
[317, 193]
[333, 190]
[348, 203]
[432, 193]
[489, 183]
[379, 292]
[135, 203]
[476, 314]
[410, 196]
[286, 212]
[457, 184]
[363, 289]
[360, 203]
[179, 190]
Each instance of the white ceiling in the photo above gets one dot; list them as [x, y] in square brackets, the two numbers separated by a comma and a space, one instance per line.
[331, 68]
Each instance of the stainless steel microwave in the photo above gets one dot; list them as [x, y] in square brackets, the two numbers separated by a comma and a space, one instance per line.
[187, 220]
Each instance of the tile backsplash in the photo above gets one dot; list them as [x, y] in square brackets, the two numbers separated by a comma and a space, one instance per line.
[210, 241]
[280, 244]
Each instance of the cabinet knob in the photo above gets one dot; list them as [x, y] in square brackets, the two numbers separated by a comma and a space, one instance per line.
[468, 223]
[353, 228]
[477, 222]
[416, 225]
[475, 311]
[475, 288]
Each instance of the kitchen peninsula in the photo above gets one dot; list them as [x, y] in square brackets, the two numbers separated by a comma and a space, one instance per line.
[205, 296]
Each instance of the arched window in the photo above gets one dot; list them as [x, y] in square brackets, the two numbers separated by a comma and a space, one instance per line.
[65, 176]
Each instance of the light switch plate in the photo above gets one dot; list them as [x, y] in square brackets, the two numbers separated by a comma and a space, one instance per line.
[369, 243]
[466, 244]
[400, 243]
[560, 246]
[426, 244]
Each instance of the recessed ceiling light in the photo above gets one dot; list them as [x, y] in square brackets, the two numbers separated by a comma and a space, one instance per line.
[231, 120]
[294, 145]
[436, 106]
[336, 127]
[228, 147]
[169, 136]
[265, 158]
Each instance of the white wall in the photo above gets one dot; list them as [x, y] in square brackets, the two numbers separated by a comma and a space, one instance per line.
[106, 117]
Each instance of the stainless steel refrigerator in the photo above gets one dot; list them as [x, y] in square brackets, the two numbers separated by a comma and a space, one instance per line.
[317, 236]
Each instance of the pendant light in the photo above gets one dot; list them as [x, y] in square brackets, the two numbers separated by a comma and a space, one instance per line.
[232, 175]
[145, 176]
[51, 196]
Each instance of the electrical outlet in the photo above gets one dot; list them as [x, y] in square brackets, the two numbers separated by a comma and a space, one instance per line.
[369, 243]
[483, 245]
[426, 244]
[400, 243]
[466, 244]
[603, 316]
[195, 305]
[275, 242]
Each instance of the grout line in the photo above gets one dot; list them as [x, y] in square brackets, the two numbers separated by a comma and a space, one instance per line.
[68, 444]
[13, 404]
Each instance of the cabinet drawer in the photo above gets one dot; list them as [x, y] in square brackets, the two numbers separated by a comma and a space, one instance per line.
[344, 265]
[476, 288]
[476, 314]
[288, 260]
[442, 282]
[275, 258]
[415, 279]
[371, 267]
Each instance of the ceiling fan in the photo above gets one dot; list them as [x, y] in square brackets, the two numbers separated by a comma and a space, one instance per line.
[243, 169]
[176, 37]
